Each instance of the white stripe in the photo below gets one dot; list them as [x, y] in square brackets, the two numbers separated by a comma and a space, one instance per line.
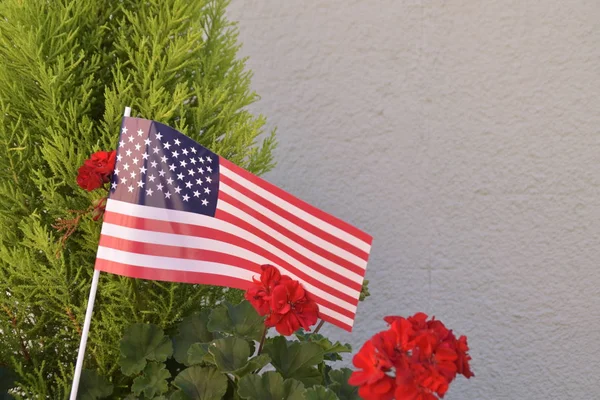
[359, 262]
[193, 242]
[319, 223]
[156, 262]
[223, 205]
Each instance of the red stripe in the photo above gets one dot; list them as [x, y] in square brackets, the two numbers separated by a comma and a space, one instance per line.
[224, 215]
[170, 275]
[210, 233]
[294, 219]
[297, 202]
[336, 322]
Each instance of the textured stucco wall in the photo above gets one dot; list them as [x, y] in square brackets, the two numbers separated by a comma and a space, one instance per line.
[465, 137]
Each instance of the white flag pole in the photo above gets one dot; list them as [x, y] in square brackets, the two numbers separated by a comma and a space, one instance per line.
[88, 320]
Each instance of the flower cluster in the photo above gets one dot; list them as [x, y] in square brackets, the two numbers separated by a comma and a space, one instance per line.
[424, 355]
[96, 170]
[283, 300]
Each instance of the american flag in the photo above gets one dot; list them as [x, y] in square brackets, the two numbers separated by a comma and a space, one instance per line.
[178, 212]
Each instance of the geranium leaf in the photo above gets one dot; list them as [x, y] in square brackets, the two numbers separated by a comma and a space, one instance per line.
[198, 354]
[339, 384]
[192, 330]
[296, 359]
[153, 381]
[143, 342]
[93, 386]
[331, 350]
[240, 320]
[201, 383]
[230, 353]
[270, 386]
[319, 393]
[253, 364]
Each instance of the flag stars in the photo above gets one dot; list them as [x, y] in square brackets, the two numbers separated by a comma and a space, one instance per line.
[204, 202]
[185, 152]
[164, 159]
[132, 174]
[193, 161]
[135, 160]
[124, 130]
[119, 157]
[128, 153]
[180, 176]
[151, 178]
[143, 170]
[117, 171]
[188, 185]
[161, 173]
[145, 156]
[170, 181]
[208, 179]
[196, 193]
[201, 170]
[138, 147]
[175, 154]
[155, 150]
[130, 188]
[207, 190]
[153, 164]
[147, 142]
[126, 167]
[193, 150]
[159, 136]
[121, 144]
[199, 181]
[177, 142]
[209, 159]
[159, 187]
[177, 190]
[140, 132]
[113, 185]
[186, 197]
[191, 172]
[141, 184]
[167, 145]
[182, 163]
[123, 180]
[209, 169]
[172, 167]
[149, 192]
[131, 139]
[201, 160]
[167, 195]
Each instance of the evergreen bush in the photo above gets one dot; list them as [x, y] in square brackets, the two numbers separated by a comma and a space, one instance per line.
[68, 68]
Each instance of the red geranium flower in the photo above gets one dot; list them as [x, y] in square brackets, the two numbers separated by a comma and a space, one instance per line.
[291, 308]
[96, 170]
[259, 295]
[372, 378]
[88, 178]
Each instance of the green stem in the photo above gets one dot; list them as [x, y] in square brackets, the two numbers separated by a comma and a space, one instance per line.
[318, 328]
[262, 340]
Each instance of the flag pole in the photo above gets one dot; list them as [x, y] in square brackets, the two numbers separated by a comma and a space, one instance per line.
[88, 320]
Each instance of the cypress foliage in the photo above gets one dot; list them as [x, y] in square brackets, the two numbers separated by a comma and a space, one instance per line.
[67, 70]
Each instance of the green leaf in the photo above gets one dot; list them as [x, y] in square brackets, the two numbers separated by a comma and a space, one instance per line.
[240, 320]
[198, 354]
[153, 381]
[200, 383]
[296, 359]
[143, 342]
[253, 364]
[7, 382]
[339, 384]
[364, 291]
[230, 353]
[93, 386]
[331, 350]
[319, 393]
[270, 386]
[192, 330]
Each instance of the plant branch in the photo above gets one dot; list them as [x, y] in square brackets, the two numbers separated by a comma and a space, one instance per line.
[318, 328]
[13, 322]
[262, 340]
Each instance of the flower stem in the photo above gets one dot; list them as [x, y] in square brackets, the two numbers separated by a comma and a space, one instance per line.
[318, 328]
[262, 340]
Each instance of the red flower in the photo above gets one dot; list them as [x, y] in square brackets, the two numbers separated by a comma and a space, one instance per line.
[259, 294]
[96, 170]
[291, 308]
[372, 378]
[462, 360]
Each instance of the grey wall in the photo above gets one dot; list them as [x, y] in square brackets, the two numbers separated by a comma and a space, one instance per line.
[464, 136]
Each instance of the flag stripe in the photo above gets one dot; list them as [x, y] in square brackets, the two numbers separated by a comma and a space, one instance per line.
[230, 210]
[304, 210]
[160, 232]
[341, 247]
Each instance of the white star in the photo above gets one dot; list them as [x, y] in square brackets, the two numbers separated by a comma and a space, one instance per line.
[163, 159]
[149, 192]
[177, 142]
[130, 188]
[172, 167]
[201, 160]
[167, 195]
[208, 179]
[196, 194]
[182, 163]
[128, 153]
[198, 181]
[141, 184]
[124, 131]
[114, 185]
[143, 170]
[204, 202]
[177, 189]
[140, 132]
[170, 181]
[126, 167]
[145, 156]
[186, 197]
[153, 164]
[209, 159]
[209, 169]
[151, 178]
[188, 185]
[166, 145]
[135, 160]
[121, 143]
[132, 174]
[159, 136]
[193, 150]
[117, 171]
[159, 186]
[155, 150]
[185, 152]
[175, 154]
[123, 180]
[161, 173]
[147, 142]
[191, 172]
[207, 190]
[193, 161]
[119, 157]
[200, 170]
[137, 146]
[131, 139]
[180, 176]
